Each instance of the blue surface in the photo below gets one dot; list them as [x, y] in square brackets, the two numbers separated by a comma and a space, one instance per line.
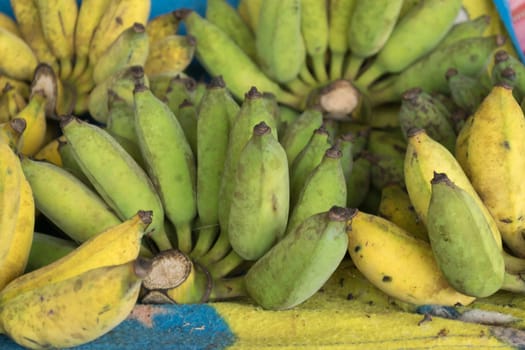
[503, 8]
[172, 327]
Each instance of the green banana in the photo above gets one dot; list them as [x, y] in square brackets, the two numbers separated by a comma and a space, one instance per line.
[279, 43]
[249, 12]
[170, 161]
[119, 180]
[70, 164]
[216, 51]
[187, 117]
[179, 89]
[462, 240]
[47, 248]
[345, 142]
[469, 28]
[314, 29]
[384, 116]
[287, 117]
[261, 193]
[299, 264]
[431, 20]
[420, 110]
[502, 61]
[67, 202]
[466, 91]
[130, 48]
[386, 152]
[324, 187]
[371, 25]
[339, 14]
[224, 16]
[469, 56]
[216, 114]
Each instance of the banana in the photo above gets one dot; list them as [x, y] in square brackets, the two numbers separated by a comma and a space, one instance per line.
[11, 103]
[11, 132]
[29, 23]
[170, 161]
[386, 151]
[117, 17]
[215, 51]
[306, 160]
[8, 23]
[14, 263]
[431, 19]
[345, 142]
[359, 182]
[21, 86]
[469, 56]
[18, 62]
[469, 28]
[397, 263]
[34, 114]
[89, 14]
[502, 62]
[424, 156]
[324, 187]
[49, 152]
[298, 265]
[396, 207]
[58, 19]
[216, 113]
[261, 193]
[187, 117]
[46, 248]
[495, 170]
[315, 32]
[170, 55]
[249, 12]
[339, 14]
[466, 91]
[45, 318]
[279, 43]
[225, 16]
[130, 48]
[179, 89]
[161, 26]
[117, 178]
[116, 245]
[384, 116]
[420, 110]
[462, 240]
[70, 163]
[370, 27]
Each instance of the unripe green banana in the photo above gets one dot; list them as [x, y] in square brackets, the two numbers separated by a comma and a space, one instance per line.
[495, 147]
[324, 187]
[359, 182]
[502, 61]
[298, 132]
[387, 153]
[469, 56]
[287, 117]
[249, 11]
[339, 14]
[399, 264]
[431, 20]
[70, 164]
[170, 161]
[215, 51]
[260, 201]
[384, 116]
[279, 42]
[462, 240]
[301, 263]
[420, 110]
[47, 248]
[115, 175]
[314, 28]
[179, 89]
[345, 142]
[66, 201]
[469, 28]
[370, 26]
[187, 117]
[465, 90]
[224, 16]
[215, 117]
[131, 48]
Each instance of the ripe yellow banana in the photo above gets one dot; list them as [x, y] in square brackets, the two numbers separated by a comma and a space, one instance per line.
[8, 23]
[49, 152]
[170, 55]
[11, 102]
[34, 114]
[18, 61]
[496, 147]
[11, 132]
[116, 245]
[249, 12]
[46, 318]
[58, 19]
[399, 264]
[161, 26]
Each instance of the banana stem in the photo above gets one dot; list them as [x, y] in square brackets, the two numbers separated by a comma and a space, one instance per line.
[513, 283]
[220, 248]
[161, 240]
[226, 265]
[336, 65]
[307, 77]
[205, 238]
[353, 66]
[318, 65]
[290, 99]
[184, 241]
[371, 74]
[228, 288]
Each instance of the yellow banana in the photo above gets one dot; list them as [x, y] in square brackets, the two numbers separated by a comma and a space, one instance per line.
[58, 19]
[162, 26]
[119, 15]
[116, 245]
[14, 263]
[30, 26]
[170, 55]
[249, 12]
[49, 152]
[11, 132]
[34, 114]
[495, 149]
[9, 24]
[18, 61]
[399, 264]
[46, 318]
[11, 103]
[20, 85]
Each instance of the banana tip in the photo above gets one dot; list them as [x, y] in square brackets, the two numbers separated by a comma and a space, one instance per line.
[181, 14]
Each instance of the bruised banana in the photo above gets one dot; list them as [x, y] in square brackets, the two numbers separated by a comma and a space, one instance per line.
[298, 265]
[116, 245]
[115, 175]
[496, 146]
[399, 264]
[45, 317]
[261, 192]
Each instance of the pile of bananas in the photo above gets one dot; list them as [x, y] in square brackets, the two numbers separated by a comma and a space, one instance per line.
[258, 183]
